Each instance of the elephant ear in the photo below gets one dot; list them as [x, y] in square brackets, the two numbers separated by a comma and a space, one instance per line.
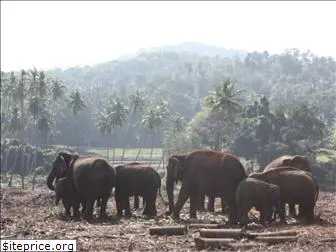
[60, 166]
[175, 167]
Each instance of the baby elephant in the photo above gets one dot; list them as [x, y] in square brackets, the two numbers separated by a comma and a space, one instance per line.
[263, 196]
[66, 191]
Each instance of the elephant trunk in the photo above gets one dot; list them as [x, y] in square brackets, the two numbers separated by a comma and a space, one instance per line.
[50, 180]
[170, 192]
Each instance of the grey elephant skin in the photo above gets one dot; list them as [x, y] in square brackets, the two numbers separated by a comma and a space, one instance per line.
[66, 191]
[256, 193]
[210, 173]
[296, 187]
[137, 180]
[92, 177]
[296, 161]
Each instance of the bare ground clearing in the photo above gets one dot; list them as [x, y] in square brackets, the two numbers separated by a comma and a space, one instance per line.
[32, 214]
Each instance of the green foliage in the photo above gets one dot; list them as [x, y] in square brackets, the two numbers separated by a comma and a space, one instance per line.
[288, 103]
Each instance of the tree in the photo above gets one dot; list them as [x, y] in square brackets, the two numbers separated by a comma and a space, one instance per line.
[137, 104]
[224, 102]
[113, 117]
[76, 102]
[153, 120]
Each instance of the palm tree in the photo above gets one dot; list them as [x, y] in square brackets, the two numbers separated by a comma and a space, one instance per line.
[225, 102]
[20, 95]
[112, 117]
[15, 126]
[57, 92]
[137, 103]
[76, 102]
[153, 120]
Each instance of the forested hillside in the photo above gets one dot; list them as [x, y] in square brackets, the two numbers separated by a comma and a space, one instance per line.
[258, 106]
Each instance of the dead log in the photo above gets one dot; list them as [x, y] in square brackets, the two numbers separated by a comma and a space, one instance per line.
[276, 233]
[328, 240]
[205, 243]
[221, 233]
[249, 245]
[170, 230]
[204, 225]
[276, 239]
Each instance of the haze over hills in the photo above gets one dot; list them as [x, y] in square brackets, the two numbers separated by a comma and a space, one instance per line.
[199, 48]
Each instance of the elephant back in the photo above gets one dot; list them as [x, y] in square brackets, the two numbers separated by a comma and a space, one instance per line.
[297, 161]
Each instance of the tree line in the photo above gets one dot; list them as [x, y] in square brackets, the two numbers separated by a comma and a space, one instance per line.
[257, 107]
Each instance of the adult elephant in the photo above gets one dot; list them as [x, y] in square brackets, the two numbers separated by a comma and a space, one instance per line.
[92, 177]
[296, 187]
[296, 161]
[212, 173]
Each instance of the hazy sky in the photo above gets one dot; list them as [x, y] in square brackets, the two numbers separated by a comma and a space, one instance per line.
[49, 33]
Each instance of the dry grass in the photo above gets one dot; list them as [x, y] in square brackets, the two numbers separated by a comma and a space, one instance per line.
[32, 214]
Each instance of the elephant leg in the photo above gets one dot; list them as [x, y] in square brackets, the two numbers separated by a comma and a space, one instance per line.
[200, 206]
[223, 204]
[292, 210]
[262, 217]
[103, 205]
[143, 202]
[127, 206]
[243, 218]
[89, 208]
[136, 202]
[119, 202]
[182, 198]
[232, 212]
[307, 212]
[98, 203]
[211, 204]
[75, 208]
[150, 208]
[83, 207]
[67, 208]
[282, 212]
[194, 199]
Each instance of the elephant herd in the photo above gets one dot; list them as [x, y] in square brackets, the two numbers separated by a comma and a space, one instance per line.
[82, 180]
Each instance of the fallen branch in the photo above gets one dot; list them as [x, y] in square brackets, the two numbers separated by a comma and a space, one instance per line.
[205, 243]
[103, 236]
[276, 233]
[172, 230]
[241, 245]
[8, 237]
[204, 225]
[221, 233]
[328, 240]
[276, 239]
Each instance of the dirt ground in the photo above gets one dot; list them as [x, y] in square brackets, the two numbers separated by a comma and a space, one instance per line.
[31, 214]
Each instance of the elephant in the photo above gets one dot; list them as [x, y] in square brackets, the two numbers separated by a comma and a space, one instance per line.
[256, 193]
[92, 176]
[296, 187]
[66, 191]
[208, 172]
[136, 197]
[139, 180]
[296, 161]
